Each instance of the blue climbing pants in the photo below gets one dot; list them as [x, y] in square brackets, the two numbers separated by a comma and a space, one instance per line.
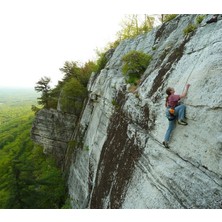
[179, 114]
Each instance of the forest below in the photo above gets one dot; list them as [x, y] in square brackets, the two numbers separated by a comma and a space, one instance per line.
[29, 179]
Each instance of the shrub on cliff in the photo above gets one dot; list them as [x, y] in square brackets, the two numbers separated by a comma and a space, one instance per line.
[101, 62]
[190, 28]
[200, 18]
[134, 65]
[72, 96]
[168, 17]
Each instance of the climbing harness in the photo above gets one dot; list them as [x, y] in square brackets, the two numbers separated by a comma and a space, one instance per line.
[172, 114]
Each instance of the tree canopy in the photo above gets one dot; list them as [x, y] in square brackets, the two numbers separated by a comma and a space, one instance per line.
[29, 179]
[43, 86]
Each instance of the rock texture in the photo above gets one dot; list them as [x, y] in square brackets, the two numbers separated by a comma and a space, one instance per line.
[53, 130]
[119, 161]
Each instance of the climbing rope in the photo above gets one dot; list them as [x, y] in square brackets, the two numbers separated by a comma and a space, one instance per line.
[198, 58]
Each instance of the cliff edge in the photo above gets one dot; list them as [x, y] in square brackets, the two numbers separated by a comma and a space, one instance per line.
[118, 160]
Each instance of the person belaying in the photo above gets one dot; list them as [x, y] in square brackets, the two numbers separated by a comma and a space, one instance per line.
[174, 111]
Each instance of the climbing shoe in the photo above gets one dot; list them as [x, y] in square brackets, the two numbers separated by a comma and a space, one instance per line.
[182, 122]
[166, 144]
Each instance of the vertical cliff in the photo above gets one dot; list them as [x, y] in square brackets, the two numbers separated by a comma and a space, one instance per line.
[118, 161]
[53, 130]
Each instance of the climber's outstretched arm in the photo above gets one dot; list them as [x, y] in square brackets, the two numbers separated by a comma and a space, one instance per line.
[183, 95]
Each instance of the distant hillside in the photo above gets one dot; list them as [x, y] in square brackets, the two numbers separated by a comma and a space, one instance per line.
[29, 179]
[15, 103]
[16, 95]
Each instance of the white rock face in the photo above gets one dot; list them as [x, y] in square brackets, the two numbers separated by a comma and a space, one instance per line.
[122, 163]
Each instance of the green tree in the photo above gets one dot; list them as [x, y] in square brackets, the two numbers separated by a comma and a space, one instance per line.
[72, 96]
[70, 70]
[101, 61]
[147, 24]
[43, 86]
[80, 72]
[133, 25]
[86, 71]
[29, 179]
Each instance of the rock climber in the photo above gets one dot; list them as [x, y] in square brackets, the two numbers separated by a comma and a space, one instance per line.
[174, 110]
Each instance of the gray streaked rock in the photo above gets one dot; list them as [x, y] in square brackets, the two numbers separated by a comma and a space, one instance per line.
[126, 165]
[120, 162]
[53, 130]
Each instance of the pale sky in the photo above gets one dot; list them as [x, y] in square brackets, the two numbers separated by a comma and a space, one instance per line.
[38, 36]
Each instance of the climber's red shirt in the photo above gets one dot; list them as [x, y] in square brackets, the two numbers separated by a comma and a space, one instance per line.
[173, 100]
